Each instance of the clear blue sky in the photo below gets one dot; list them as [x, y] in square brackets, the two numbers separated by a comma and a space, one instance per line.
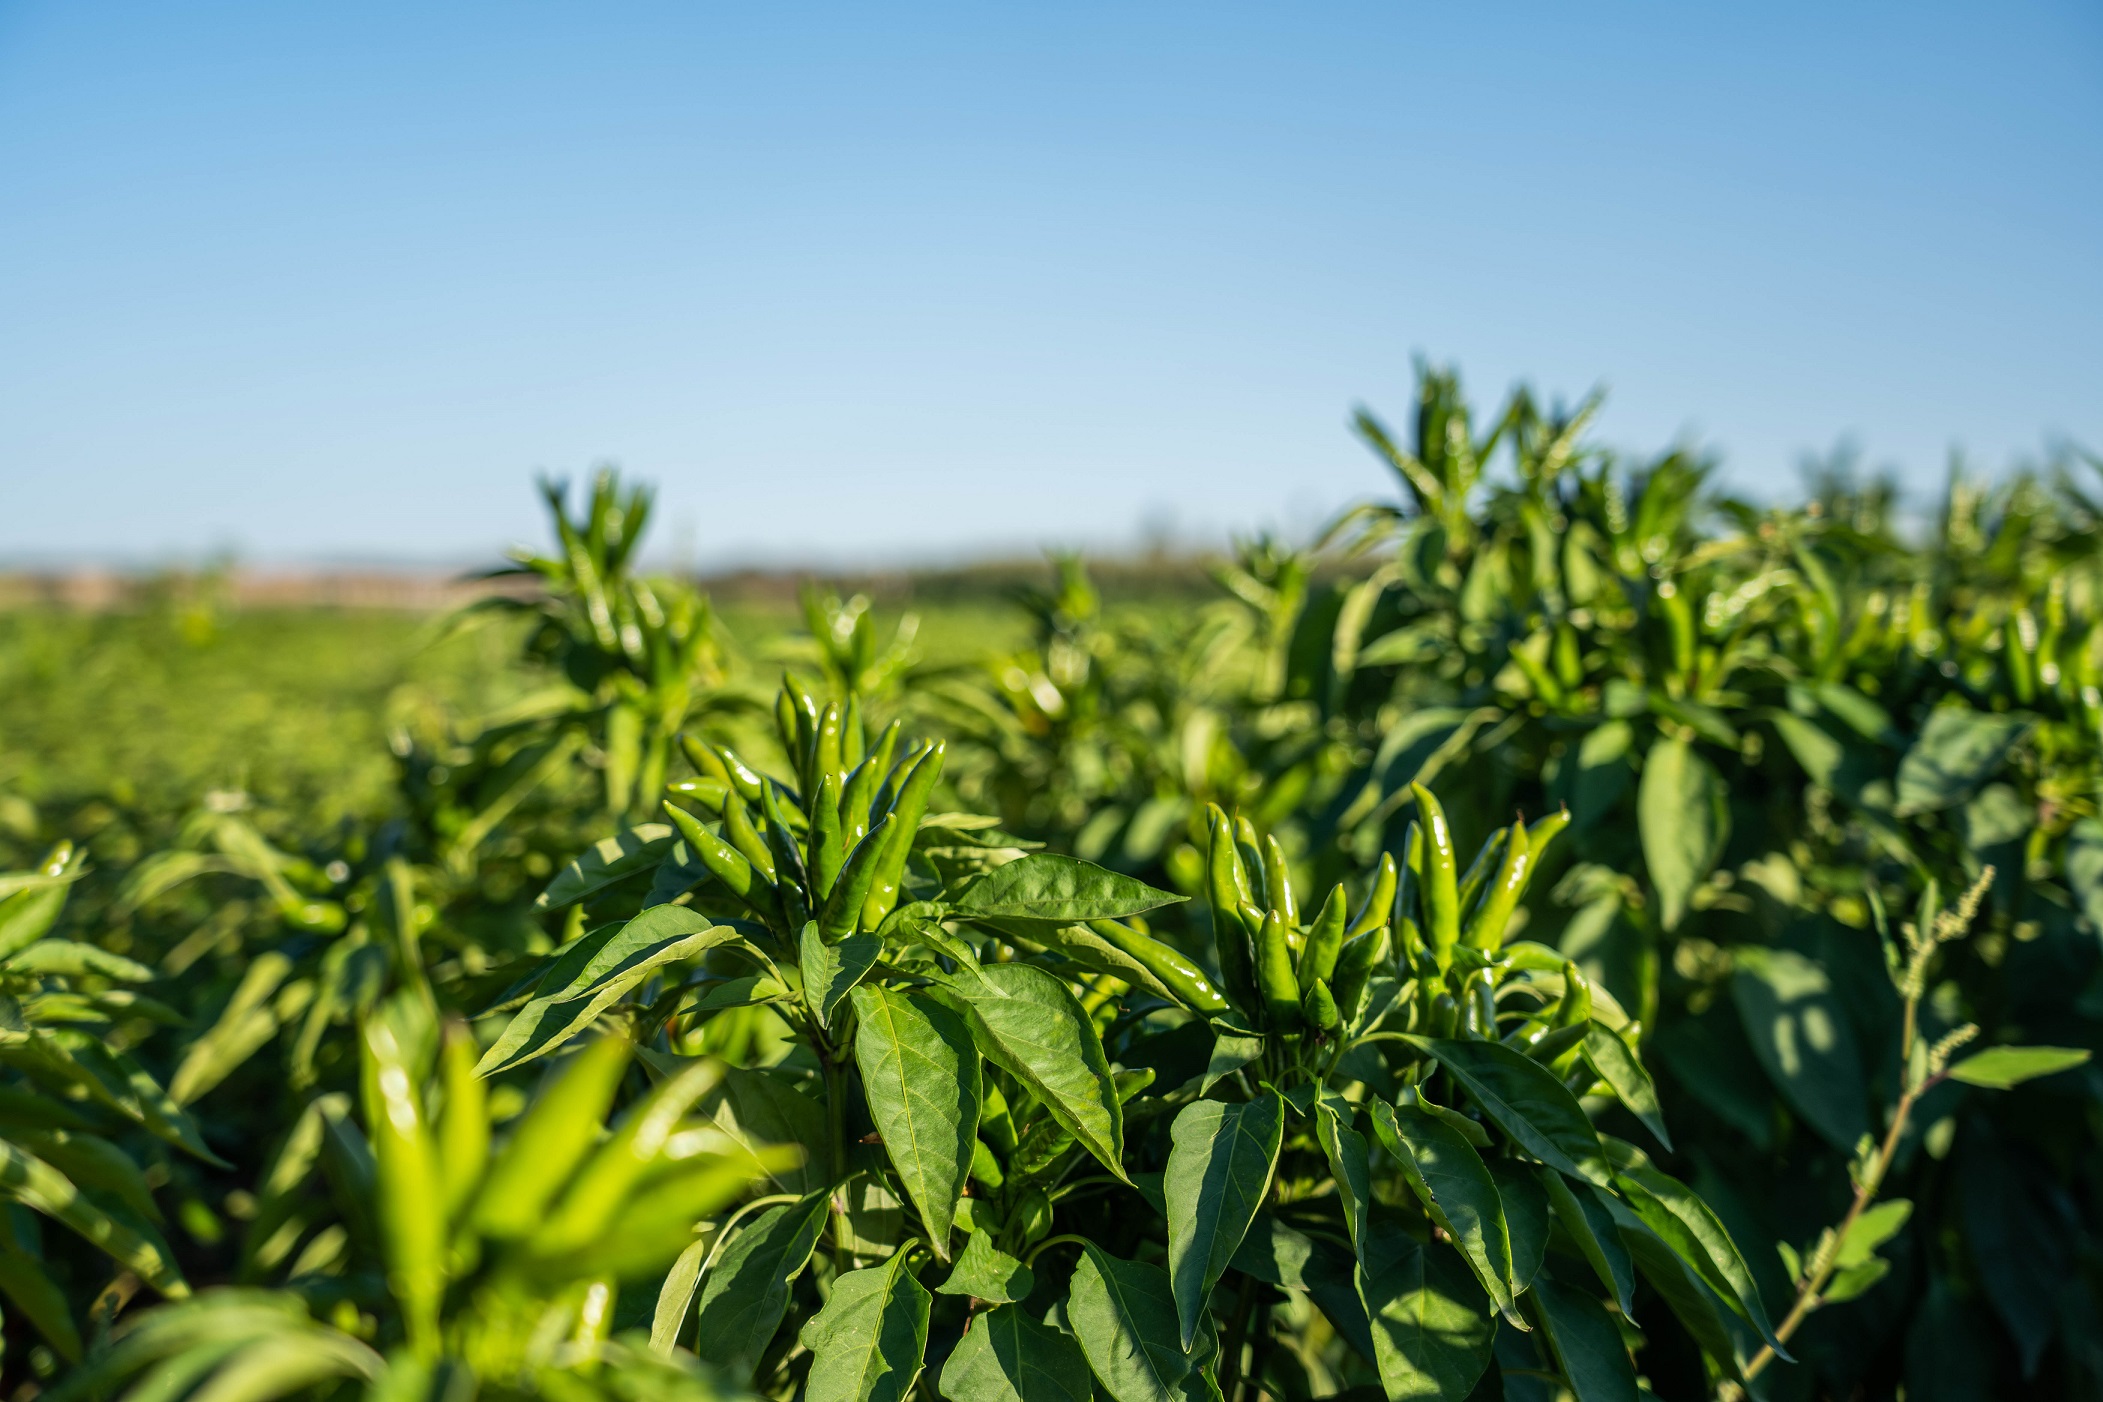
[871, 282]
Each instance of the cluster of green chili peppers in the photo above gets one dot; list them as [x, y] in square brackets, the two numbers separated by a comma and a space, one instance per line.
[1451, 926]
[1289, 978]
[833, 852]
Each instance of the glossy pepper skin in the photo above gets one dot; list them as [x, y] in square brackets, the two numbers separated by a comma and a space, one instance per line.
[911, 806]
[707, 763]
[848, 899]
[1379, 901]
[722, 860]
[742, 835]
[1362, 955]
[1318, 1007]
[825, 852]
[1176, 973]
[1325, 938]
[1250, 847]
[1486, 927]
[1230, 936]
[1274, 976]
[1278, 881]
[790, 880]
[1441, 877]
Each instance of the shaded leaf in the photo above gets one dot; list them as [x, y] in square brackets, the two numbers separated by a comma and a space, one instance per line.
[1690, 1226]
[1801, 1036]
[1005, 1356]
[1958, 750]
[1683, 818]
[1124, 1314]
[985, 1272]
[1454, 1184]
[1432, 1326]
[746, 1292]
[1525, 1100]
[1219, 1171]
[1586, 1343]
[1616, 1062]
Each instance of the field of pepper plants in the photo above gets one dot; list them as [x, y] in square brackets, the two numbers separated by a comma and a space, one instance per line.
[1565, 933]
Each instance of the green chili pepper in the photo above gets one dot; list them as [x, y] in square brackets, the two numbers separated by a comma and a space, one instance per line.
[854, 736]
[1230, 935]
[1355, 965]
[857, 876]
[1380, 899]
[1544, 831]
[1477, 877]
[1274, 976]
[825, 747]
[1325, 938]
[1412, 887]
[722, 860]
[1445, 1014]
[1278, 881]
[1176, 973]
[739, 831]
[880, 760]
[1318, 1007]
[791, 881]
[707, 763]
[855, 796]
[709, 793]
[823, 849]
[1441, 888]
[1549, 1047]
[1480, 1009]
[911, 807]
[787, 722]
[742, 778]
[1575, 1007]
[636, 1146]
[1486, 927]
[1258, 876]
[887, 791]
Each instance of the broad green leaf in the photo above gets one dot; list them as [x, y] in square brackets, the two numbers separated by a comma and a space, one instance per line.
[1586, 1343]
[831, 970]
[985, 1272]
[746, 1290]
[1005, 1356]
[664, 935]
[1432, 1325]
[1031, 1026]
[1230, 1052]
[1684, 819]
[1345, 1148]
[759, 1108]
[1525, 1100]
[1871, 1230]
[1124, 1314]
[1581, 1209]
[1999, 1068]
[675, 1298]
[1615, 1062]
[1454, 1184]
[29, 1180]
[1696, 1306]
[92, 1162]
[1690, 1226]
[1526, 1214]
[1958, 750]
[1219, 1170]
[604, 863]
[868, 1343]
[1046, 886]
[1801, 1036]
[920, 1072]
